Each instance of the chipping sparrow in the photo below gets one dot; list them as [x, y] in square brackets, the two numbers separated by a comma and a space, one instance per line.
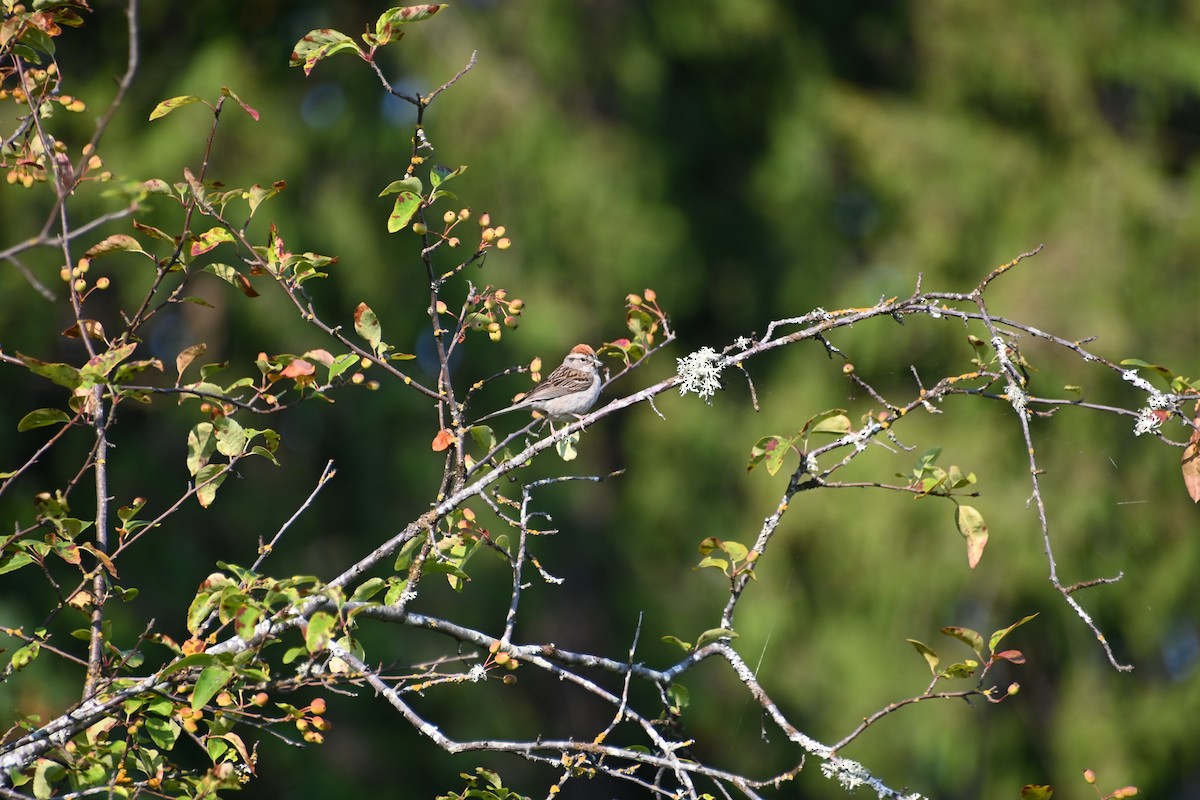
[570, 390]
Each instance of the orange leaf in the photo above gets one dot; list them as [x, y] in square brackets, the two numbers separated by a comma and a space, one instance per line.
[1191, 464]
[443, 440]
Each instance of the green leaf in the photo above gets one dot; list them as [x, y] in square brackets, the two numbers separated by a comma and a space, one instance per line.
[258, 194]
[409, 183]
[41, 418]
[167, 106]
[14, 560]
[212, 680]
[1000, 634]
[973, 639]
[770, 450]
[685, 646]
[567, 447]
[62, 374]
[209, 479]
[24, 656]
[130, 369]
[961, 669]
[833, 421]
[679, 696]
[439, 174]
[341, 364]
[231, 439]
[736, 550]
[201, 443]
[231, 276]
[927, 653]
[368, 589]
[1037, 792]
[1137, 362]
[189, 662]
[715, 563]
[163, 732]
[46, 774]
[715, 634]
[318, 631]
[406, 205]
[366, 325]
[971, 525]
[319, 44]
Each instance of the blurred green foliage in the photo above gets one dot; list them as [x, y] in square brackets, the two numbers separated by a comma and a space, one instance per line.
[748, 161]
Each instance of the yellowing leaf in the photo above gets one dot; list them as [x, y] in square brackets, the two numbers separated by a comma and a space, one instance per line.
[167, 106]
[971, 525]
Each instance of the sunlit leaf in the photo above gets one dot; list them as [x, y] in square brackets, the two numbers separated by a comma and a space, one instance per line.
[212, 680]
[410, 183]
[971, 525]
[167, 106]
[1000, 634]
[118, 242]
[319, 44]
[972, 639]
[225, 90]
[402, 212]
[366, 325]
[927, 653]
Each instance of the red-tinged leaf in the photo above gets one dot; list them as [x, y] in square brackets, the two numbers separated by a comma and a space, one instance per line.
[770, 450]
[225, 90]
[90, 327]
[210, 239]
[167, 106]
[298, 368]
[103, 363]
[1000, 634]
[971, 525]
[406, 205]
[155, 186]
[443, 440]
[319, 44]
[150, 230]
[116, 243]
[1190, 464]
[385, 26]
[103, 558]
[322, 357]
[1012, 656]
[366, 325]
[973, 639]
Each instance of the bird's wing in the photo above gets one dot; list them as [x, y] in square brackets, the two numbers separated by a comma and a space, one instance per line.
[563, 380]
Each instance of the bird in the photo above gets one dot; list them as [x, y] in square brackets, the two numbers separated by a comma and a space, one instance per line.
[567, 392]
